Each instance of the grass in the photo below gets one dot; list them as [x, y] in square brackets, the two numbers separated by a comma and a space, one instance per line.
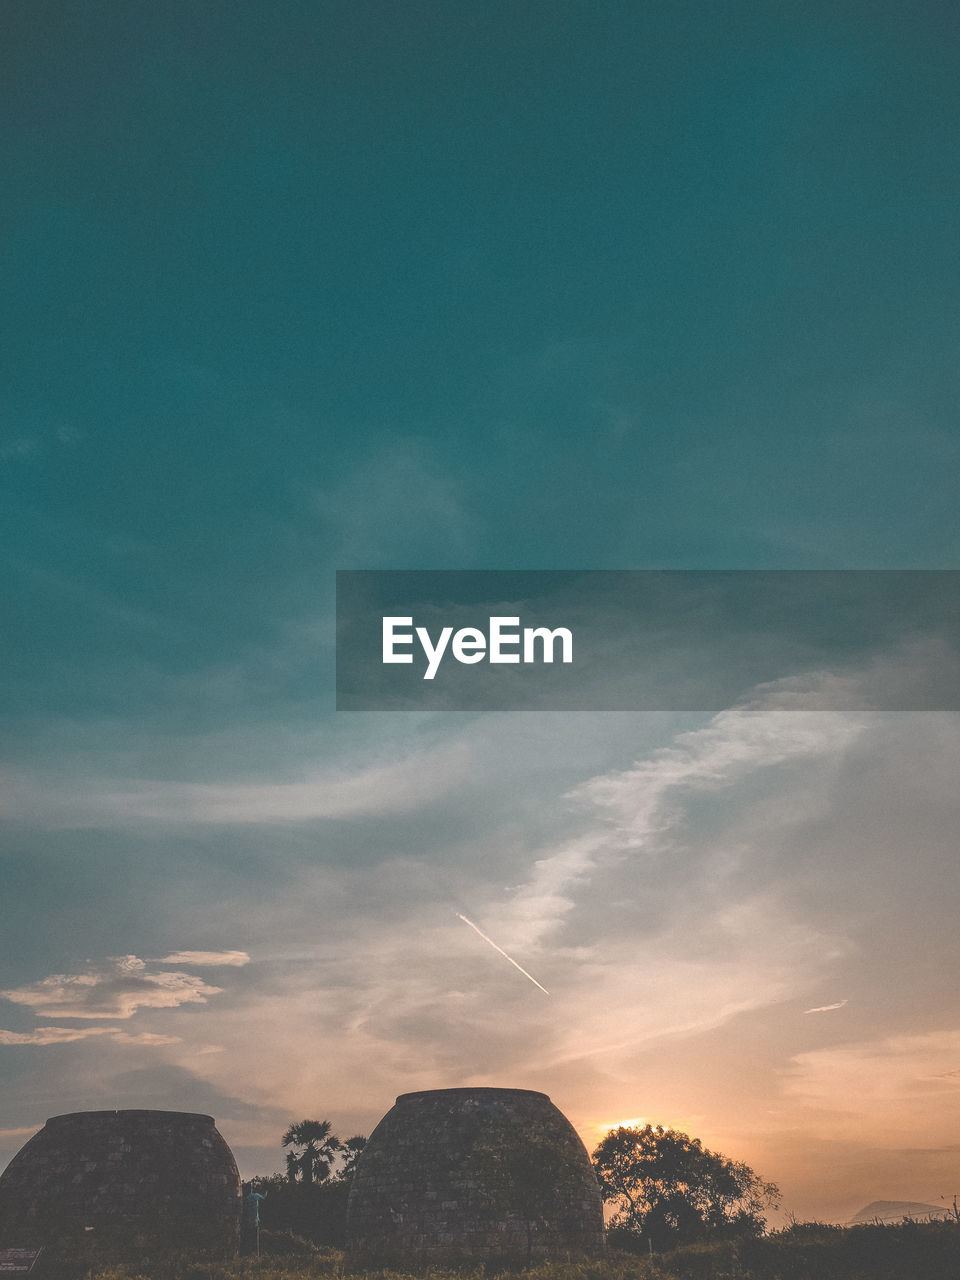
[805, 1251]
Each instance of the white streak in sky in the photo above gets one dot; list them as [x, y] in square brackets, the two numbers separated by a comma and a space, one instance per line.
[502, 952]
[217, 958]
[825, 1008]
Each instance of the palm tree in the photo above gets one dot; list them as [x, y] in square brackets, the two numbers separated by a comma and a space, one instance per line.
[316, 1147]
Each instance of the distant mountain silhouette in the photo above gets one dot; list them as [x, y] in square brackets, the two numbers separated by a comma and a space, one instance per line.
[895, 1210]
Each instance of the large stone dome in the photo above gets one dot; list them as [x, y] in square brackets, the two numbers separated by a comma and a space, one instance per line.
[136, 1176]
[473, 1174]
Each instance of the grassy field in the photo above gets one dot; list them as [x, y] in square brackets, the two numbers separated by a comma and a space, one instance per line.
[807, 1251]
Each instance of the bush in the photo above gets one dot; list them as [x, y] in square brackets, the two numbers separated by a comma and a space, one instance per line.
[317, 1211]
[285, 1243]
[804, 1251]
[820, 1251]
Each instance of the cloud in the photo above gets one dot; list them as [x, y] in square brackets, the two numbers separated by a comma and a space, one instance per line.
[634, 810]
[54, 1035]
[396, 509]
[636, 922]
[68, 1035]
[827, 1008]
[202, 958]
[401, 786]
[736, 742]
[418, 1004]
[116, 989]
[902, 1088]
[149, 1038]
[682, 894]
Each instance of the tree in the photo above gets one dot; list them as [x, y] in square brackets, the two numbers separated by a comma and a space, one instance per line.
[316, 1147]
[350, 1150]
[311, 1200]
[669, 1189]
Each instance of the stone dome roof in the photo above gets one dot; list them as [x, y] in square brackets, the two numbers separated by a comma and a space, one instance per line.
[473, 1173]
[140, 1171]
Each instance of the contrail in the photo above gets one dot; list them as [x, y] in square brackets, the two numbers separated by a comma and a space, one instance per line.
[502, 952]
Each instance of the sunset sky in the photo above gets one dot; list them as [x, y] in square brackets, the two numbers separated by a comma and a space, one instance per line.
[339, 284]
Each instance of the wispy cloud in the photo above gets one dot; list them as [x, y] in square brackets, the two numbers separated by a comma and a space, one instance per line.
[621, 981]
[397, 507]
[69, 1035]
[400, 786]
[905, 1086]
[681, 908]
[827, 1008]
[634, 810]
[149, 1038]
[203, 958]
[736, 742]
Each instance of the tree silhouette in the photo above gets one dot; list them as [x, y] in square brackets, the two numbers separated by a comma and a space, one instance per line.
[350, 1150]
[669, 1189]
[311, 1200]
[315, 1149]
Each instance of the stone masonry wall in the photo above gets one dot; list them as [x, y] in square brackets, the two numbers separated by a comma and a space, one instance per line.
[168, 1172]
[462, 1174]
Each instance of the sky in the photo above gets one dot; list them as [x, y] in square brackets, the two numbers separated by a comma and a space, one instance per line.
[300, 287]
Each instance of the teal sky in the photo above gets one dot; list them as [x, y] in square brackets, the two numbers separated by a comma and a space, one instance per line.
[296, 287]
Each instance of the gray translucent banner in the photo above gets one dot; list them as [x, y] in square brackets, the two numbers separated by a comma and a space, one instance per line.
[646, 640]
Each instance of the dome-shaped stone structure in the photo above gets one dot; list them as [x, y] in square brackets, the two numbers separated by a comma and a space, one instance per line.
[451, 1175]
[140, 1177]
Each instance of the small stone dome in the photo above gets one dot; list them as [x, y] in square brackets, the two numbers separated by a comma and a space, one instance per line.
[451, 1175]
[135, 1176]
